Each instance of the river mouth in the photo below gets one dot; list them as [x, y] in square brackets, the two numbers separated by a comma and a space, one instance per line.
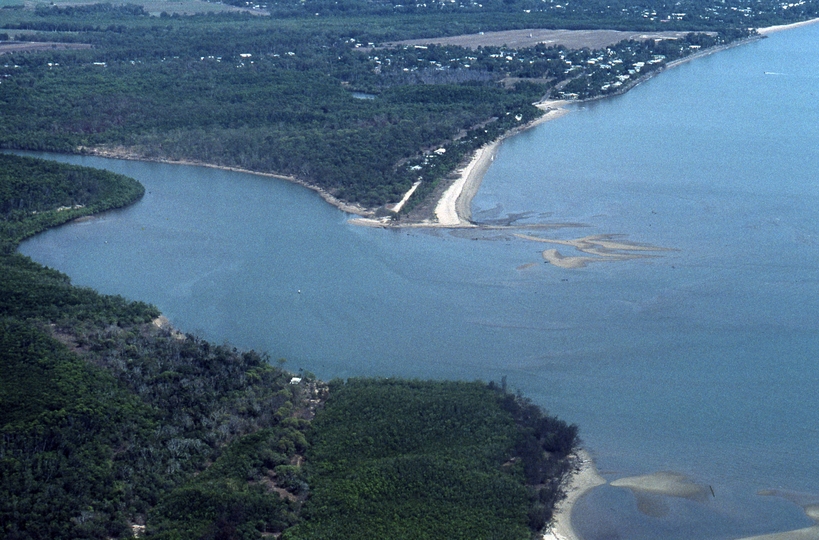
[699, 362]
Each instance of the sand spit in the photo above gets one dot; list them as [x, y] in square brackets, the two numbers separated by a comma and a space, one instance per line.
[453, 209]
[584, 479]
[599, 247]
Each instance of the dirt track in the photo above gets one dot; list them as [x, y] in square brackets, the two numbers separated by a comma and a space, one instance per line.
[518, 39]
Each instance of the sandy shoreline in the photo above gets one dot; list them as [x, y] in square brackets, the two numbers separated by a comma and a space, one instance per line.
[585, 479]
[771, 29]
[453, 208]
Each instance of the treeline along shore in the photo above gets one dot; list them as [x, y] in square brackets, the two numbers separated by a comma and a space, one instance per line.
[316, 98]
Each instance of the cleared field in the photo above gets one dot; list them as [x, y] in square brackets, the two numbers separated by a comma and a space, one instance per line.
[518, 39]
[30, 46]
[154, 7]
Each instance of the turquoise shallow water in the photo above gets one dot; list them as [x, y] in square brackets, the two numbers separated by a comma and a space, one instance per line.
[701, 361]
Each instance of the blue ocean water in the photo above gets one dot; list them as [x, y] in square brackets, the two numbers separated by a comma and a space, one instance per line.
[701, 361]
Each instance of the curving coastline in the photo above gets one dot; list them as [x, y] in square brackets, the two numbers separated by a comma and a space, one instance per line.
[453, 208]
[124, 153]
[584, 479]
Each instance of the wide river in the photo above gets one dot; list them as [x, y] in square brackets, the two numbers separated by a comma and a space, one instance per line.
[701, 360]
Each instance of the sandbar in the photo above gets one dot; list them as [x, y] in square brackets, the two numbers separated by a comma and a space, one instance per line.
[599, 247]
[584, 479]
[664, 483]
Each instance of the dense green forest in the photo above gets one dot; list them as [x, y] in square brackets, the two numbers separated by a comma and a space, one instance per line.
[424, 460]
[62, 193]
[278, 94]
[113, 424]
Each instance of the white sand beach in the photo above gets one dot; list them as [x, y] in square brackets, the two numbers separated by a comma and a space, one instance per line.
[447, 211]
[452, 209]
[771, 29]
[581, 482]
